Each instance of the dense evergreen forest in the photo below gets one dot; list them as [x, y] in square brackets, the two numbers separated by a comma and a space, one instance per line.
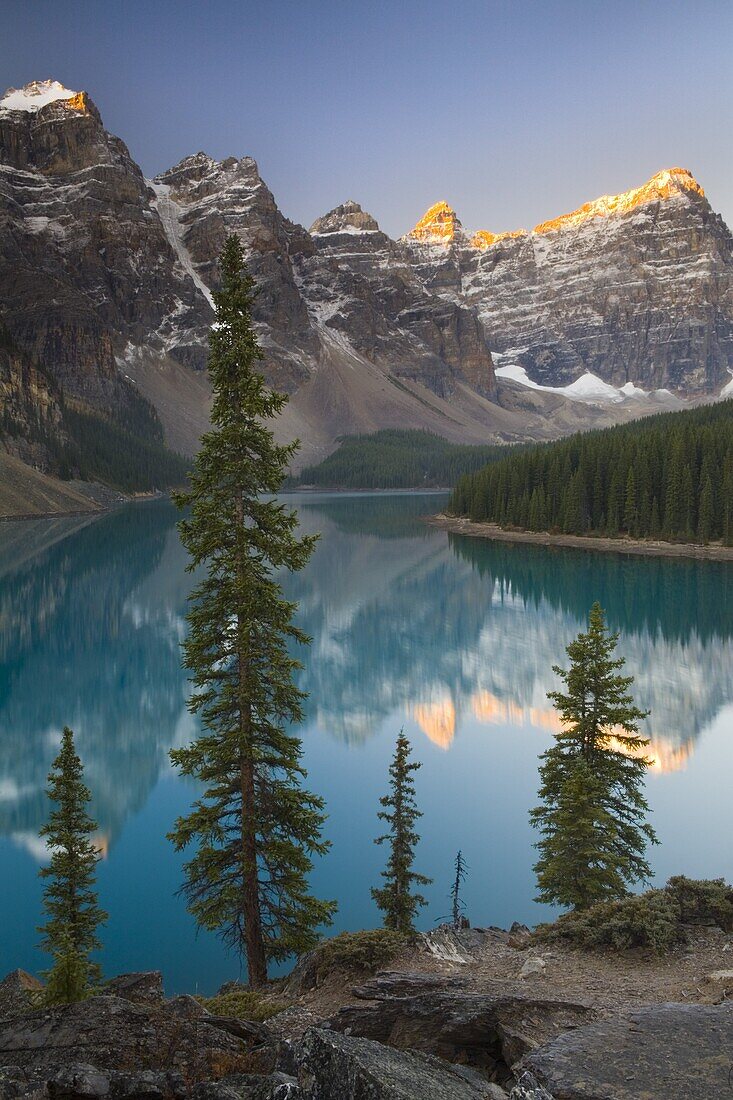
[394, 459]
[105, 450]
[669, 476]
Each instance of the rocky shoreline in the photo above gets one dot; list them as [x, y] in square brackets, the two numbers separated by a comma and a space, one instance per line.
[476, 1014]
[645, 548]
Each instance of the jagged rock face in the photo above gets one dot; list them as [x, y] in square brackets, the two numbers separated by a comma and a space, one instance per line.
[85, 268]
[105, 275]
[98, 268]
[438, 225]
[201, 201]
[341, 288]
[349, 217]
[357, 283]
[30, 410]
[633, 288]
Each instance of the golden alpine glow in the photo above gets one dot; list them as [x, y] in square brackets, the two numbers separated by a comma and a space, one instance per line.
[77, 102]
[666, 756]
[441, 225]
[483, 239]
[438, 225]
[665, 185]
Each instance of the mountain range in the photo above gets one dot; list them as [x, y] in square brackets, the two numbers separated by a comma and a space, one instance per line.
[617, 309]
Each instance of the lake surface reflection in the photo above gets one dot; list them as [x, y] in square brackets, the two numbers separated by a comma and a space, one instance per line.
[452, 638]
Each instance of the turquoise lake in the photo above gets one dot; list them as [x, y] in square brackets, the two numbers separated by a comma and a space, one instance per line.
[451, 637]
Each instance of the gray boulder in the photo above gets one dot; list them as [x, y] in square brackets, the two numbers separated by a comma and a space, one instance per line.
[76, 1082]
[491, 1033]
[344, 1067]
[662, 1052]
[533, 967]
[110, 1033]
[145, 987]
[16, 993]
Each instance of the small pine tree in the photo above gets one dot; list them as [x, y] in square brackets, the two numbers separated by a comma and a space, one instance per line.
[592, 816]
[457, 904]
[395, 899]
[70, 899]
[254, 826]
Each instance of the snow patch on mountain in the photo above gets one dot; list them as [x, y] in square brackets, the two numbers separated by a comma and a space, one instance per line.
[589, 388]
[586, 388]
[34, 96]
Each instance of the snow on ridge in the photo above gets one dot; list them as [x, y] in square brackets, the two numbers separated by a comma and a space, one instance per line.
[35, 95]
[727, 390]
[168, 211]
[352, 230]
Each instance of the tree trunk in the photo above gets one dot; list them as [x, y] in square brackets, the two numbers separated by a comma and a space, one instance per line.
[254, 945]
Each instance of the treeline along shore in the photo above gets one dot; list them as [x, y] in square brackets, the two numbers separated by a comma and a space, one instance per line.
[659, 485]
[459, 525]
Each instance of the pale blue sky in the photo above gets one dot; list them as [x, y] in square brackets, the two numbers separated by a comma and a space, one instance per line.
[513, 112]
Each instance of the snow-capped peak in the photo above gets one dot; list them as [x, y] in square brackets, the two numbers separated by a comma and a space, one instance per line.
[37, 94]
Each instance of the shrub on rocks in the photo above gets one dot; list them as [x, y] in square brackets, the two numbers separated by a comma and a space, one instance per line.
[704, 901]
[654, 920]
[367, 951]
[245, 1004]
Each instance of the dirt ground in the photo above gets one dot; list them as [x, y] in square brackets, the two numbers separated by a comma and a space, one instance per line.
[602, 979]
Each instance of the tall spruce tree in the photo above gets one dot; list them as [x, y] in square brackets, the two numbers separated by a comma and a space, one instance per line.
[255, 828]
[592, 817]
[69, 897]
[396, 899]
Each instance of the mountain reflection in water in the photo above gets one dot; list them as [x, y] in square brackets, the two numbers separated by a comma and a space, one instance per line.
[446, 628]
[452, 637]
[402, 619]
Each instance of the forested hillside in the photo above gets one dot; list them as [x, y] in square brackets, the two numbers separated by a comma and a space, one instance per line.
[118, 455]
[393, 459]
[669, 477]
[66, 438]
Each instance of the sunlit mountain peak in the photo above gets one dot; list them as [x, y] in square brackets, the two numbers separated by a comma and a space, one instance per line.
[666, 184]
[438, 225]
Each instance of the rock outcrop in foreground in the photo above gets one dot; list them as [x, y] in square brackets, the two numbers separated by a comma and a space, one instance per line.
[411, 1036]
[667, 1050]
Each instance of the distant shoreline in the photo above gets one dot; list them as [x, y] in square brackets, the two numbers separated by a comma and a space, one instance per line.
[639, 547]
[99, 507]
[23, 517]
[410, 490]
